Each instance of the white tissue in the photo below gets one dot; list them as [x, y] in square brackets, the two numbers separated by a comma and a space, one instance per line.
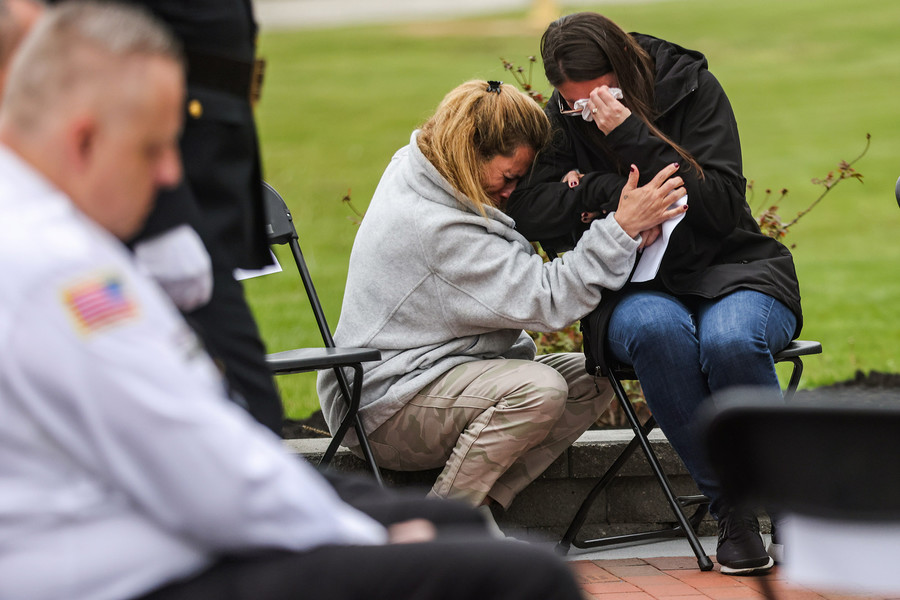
[586, 110]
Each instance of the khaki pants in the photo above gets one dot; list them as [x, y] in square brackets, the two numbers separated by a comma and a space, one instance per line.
[493, 425]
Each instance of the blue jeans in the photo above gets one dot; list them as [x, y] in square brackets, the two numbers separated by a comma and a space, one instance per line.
[684, 354]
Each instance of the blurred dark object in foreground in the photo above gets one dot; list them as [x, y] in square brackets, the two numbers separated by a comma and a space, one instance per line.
[827, 465]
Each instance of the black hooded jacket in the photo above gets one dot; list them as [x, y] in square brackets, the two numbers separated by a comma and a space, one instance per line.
[718, 247]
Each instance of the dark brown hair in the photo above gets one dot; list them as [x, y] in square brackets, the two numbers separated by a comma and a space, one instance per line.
[584, 46]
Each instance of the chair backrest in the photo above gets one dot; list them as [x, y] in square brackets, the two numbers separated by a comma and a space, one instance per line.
[821, 456]
[279, 221]
[280, 230]
[897, 191]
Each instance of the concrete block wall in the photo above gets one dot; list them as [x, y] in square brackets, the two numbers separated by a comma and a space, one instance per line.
[543, 511]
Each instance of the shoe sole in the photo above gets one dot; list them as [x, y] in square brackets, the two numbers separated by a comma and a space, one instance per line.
[748, 570]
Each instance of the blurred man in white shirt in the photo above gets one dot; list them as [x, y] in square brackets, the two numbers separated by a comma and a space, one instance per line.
[125, 470]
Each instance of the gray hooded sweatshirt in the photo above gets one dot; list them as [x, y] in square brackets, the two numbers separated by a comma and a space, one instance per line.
[434, 284]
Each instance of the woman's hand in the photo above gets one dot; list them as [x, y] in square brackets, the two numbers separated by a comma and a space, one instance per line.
[643, 208]
[608, 112]
[413, 531]
[648, 236]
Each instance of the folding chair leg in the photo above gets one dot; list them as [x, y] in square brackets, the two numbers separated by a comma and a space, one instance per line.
[367, 451]
[352, 417]
[578, 520]
[685, 526]
[352, 401]
[794, 381]
[703, 560]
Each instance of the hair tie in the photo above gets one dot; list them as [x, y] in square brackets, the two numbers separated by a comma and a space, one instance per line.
[494, 86]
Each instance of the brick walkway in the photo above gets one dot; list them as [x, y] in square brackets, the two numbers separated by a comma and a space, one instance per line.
[679, 579]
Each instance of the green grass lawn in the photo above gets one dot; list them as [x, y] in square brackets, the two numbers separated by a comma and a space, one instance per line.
[807, 79]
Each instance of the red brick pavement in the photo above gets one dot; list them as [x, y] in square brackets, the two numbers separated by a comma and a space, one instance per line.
[680, 579]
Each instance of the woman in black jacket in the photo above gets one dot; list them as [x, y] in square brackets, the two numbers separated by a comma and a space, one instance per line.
[725, 296]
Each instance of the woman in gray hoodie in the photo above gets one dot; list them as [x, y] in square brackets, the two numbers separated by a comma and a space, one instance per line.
[443, 285]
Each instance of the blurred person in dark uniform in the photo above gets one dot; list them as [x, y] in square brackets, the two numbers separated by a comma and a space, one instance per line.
[220, 198]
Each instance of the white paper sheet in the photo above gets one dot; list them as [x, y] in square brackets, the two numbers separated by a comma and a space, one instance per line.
[651, 256]
[275, 267]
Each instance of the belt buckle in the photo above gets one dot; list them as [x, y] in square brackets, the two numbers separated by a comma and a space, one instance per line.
[256, 80]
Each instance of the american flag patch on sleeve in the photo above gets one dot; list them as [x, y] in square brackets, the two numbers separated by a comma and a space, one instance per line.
[99, 302]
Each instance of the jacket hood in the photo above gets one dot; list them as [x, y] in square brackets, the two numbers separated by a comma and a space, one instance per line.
[677, 70]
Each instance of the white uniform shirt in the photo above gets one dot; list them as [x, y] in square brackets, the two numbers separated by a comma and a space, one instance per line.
[122, 464]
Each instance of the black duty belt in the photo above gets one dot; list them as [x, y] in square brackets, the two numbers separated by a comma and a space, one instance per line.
[229, 75]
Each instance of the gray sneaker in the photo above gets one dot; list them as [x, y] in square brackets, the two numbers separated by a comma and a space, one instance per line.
[740, 550]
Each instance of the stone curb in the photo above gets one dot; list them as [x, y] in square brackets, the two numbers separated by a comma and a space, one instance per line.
[632, 502]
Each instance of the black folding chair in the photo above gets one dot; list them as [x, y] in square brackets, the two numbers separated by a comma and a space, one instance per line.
[828, 456]
[683, 525]
[281, 230]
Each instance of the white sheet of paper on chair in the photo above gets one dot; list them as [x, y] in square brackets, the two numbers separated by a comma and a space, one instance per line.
[274, 267]
[651, 256]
